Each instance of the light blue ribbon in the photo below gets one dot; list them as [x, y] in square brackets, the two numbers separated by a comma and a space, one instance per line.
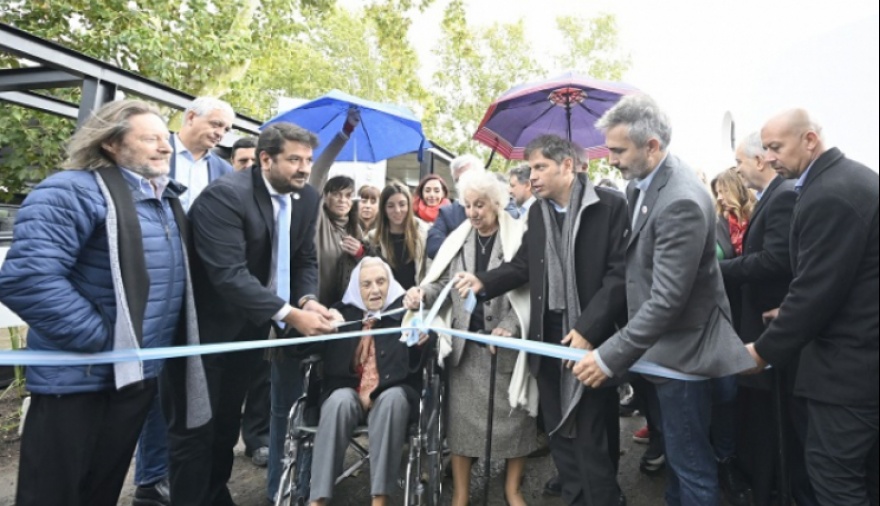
[62, 358]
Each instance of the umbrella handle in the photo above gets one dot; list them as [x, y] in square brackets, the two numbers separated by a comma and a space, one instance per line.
[491, 157]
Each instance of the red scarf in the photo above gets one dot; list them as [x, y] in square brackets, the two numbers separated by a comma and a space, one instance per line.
[365, 366]
[737, 232]
[426, 212]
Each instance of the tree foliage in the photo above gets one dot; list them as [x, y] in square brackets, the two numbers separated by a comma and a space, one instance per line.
[250, 52]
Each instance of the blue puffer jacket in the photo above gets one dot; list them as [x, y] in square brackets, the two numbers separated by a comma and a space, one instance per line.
[57, 277]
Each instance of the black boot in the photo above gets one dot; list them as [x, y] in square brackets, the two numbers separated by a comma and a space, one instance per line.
[157, 494]
[734, 484]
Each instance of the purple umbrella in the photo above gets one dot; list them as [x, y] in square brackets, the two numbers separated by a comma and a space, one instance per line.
[568, 105]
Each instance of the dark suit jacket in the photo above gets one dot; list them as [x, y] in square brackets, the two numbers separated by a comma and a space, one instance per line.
[763, 272]
[831, 312]
[233, 231]
[448, 219]
[600, 242]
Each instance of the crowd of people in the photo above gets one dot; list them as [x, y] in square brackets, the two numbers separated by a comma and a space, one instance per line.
[766, 276]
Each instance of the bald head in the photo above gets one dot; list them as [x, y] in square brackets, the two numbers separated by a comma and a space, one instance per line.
[792, 140]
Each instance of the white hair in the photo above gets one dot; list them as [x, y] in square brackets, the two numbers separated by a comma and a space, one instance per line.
[470, 161]
[484, 184]
[205, 105]
[642, 116]
[752, 145]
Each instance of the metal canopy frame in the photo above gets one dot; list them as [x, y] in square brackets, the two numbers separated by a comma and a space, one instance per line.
[61, 67]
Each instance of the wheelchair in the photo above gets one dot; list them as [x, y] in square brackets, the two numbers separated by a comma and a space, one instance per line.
[422, 480]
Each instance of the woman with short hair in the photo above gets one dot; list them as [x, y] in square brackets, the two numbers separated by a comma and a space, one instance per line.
[488, 238]
[338, 238]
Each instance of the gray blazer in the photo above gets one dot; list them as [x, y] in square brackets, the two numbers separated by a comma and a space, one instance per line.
[679, 316]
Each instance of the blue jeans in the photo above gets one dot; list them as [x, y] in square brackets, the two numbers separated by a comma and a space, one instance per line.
[285, 389]
[724, 417]
[151, 457]
[686, 412]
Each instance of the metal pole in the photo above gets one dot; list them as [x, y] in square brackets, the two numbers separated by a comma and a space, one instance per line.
[568, 117]
[778, 379]
[486, 468]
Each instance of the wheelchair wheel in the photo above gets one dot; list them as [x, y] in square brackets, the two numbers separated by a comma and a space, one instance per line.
[434, 445]
[293, 488]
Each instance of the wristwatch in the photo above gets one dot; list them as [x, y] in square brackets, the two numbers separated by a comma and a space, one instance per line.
[305, 300]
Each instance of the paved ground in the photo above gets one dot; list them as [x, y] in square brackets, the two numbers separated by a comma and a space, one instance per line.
[248, 482]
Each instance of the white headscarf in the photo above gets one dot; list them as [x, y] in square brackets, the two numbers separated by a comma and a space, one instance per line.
[353, 292]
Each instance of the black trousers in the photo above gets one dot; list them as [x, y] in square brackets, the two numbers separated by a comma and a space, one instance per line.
[842, 454]
[76, 448]
[587, 463]
[201, 458]
[255, 418]
[758, 445]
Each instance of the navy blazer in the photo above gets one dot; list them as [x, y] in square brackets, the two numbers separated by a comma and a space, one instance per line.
[831, 312]
[233, 232]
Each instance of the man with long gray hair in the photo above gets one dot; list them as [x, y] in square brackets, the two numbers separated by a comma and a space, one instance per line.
[679, 316]
[100, 263]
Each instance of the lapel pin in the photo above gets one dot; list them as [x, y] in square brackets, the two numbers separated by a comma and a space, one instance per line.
[296, 196]
[644, 209]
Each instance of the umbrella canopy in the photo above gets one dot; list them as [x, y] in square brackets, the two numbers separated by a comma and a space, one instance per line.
[568, 105]
[385, 130]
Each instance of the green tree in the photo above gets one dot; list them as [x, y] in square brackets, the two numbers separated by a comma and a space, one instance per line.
[589, 46]
[249, 52]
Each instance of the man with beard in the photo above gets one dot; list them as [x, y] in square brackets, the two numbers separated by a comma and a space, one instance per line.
[100, 263]
[194, 165]
[255, 271]
[679, 316]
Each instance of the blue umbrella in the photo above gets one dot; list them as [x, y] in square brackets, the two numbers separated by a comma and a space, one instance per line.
[385, 130]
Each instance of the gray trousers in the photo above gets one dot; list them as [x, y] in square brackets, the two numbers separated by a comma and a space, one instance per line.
[387, 423]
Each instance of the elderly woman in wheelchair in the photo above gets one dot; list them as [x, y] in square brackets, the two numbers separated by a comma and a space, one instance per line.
[374, 379]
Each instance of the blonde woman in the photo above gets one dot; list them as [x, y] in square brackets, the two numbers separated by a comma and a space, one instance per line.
[399, 238]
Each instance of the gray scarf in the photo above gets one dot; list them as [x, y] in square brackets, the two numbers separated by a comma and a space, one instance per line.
[126, 264]
[562, 285]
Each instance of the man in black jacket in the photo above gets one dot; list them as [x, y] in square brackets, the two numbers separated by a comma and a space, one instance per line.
[831, 312]
[244, 226]
[763, 272]
[587, 227]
